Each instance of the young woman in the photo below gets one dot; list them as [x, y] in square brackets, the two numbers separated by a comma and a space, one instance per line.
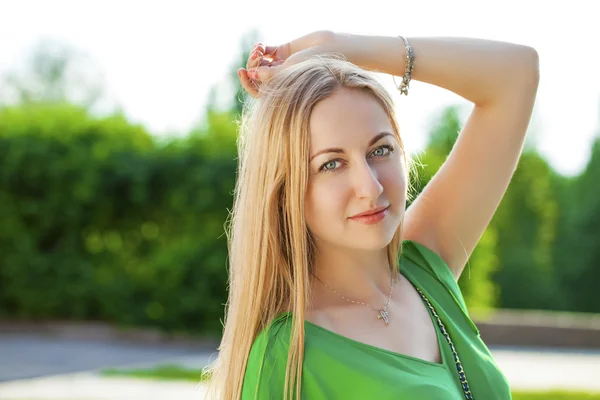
[337, 291]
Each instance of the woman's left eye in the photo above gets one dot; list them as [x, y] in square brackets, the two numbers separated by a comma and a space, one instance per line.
[382, 149]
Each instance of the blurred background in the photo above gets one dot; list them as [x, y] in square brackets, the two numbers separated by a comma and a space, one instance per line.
[118, 125]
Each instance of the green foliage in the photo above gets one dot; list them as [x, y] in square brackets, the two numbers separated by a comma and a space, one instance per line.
[99, 222]
[526, 221]
[166, 372]
[555, 395]
[577, 248]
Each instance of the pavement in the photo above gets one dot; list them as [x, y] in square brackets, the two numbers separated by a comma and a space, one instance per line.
[31, 356]
[34, 367]
[546, 369]
[87, 386]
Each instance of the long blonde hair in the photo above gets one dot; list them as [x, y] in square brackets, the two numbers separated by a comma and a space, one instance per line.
[270, 247]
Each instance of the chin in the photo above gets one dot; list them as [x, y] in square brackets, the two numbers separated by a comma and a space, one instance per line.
[373, 241]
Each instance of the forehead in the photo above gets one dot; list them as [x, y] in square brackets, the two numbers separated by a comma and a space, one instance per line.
[348, 116]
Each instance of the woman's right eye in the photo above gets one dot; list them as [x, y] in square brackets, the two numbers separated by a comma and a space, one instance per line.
[325, 168]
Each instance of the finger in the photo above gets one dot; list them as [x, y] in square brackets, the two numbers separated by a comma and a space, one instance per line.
[254, 58]
[247, 84]
[265, 73]
[265, 61]
[261, 47]
[302, 43]
[255, 55]
[281, 52]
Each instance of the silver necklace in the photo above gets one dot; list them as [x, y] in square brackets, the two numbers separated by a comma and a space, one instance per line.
[381, 313]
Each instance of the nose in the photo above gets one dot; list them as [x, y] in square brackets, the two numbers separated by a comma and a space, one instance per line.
[366, 182]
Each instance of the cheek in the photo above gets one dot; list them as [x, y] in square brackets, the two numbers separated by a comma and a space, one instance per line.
[393, 182]
[324, 200]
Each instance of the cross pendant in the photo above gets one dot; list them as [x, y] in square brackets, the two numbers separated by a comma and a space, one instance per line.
[383, 314]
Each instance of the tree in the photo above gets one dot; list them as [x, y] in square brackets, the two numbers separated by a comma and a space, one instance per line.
[526, 224]
[579, 252]
[54, 73]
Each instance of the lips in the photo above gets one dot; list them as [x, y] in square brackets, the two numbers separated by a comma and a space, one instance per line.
[370, 212]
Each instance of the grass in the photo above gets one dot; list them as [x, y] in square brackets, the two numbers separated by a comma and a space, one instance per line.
[175, 372]
[162, 372]
[555, 395]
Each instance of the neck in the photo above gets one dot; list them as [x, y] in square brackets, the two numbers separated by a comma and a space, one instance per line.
[356, 274]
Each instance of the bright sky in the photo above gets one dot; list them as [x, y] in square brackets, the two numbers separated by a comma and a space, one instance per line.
[159, 59]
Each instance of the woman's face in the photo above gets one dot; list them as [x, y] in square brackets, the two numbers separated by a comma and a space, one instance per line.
[365, 172]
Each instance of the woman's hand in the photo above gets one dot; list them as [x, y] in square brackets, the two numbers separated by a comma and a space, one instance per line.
[374, 53]
[265, 61]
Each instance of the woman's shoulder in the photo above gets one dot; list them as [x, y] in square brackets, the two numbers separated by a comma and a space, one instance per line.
[426, 259]
[426, 266]
[273, 338]
[265, 370]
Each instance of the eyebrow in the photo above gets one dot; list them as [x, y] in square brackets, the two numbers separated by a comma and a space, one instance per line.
[340, 150]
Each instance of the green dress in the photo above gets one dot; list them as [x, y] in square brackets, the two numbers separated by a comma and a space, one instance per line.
[337, 367]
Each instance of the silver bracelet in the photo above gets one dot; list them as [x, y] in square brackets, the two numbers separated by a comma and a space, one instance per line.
[408, 69]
